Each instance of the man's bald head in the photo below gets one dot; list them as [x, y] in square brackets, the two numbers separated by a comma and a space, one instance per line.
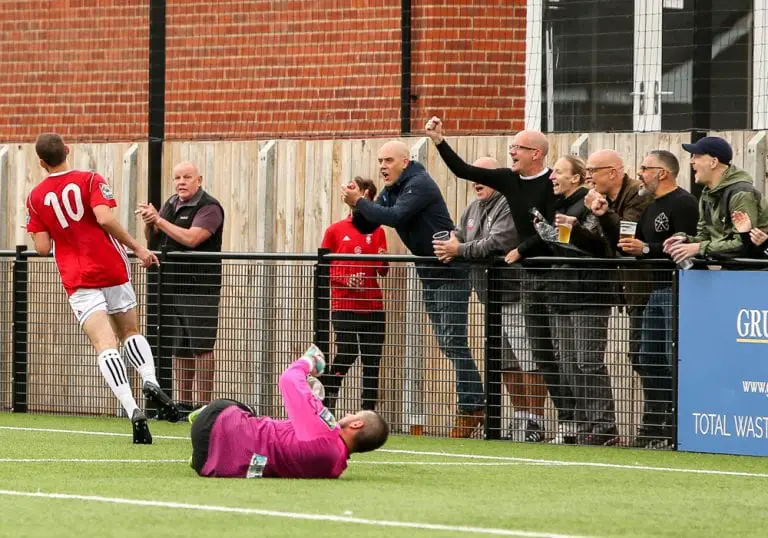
[186, 166]
[393, 158]
[398, 148]
[528, 151]
[606, 157]
[533, 139]
[486, 162]
[186, 180]
[481, 191]
[605, 168]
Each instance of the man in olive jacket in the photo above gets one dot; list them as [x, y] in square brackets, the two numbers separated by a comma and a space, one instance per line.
[726, 189]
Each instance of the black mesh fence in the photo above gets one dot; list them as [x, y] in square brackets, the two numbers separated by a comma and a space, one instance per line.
[559, 350]
[6, 323]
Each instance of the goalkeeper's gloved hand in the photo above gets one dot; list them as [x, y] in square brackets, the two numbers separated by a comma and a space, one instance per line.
[315, 359]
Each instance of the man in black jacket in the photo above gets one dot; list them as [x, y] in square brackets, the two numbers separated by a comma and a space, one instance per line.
[526, 185]
[190, 220]
[413, 205]
[673, 210]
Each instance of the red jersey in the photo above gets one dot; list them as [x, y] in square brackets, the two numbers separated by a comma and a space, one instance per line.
[343, 238]
[86, 255]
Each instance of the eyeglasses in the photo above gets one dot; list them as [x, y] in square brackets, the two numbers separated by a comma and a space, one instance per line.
[594, 169]
[646, 168]
[517, 147]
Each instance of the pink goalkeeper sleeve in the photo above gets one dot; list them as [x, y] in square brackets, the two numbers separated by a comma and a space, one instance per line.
[309, 417]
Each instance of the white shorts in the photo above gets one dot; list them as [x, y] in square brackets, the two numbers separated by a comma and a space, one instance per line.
[112, 300]
[516, 350]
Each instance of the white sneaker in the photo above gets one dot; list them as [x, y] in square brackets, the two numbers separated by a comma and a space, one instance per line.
[566, 434]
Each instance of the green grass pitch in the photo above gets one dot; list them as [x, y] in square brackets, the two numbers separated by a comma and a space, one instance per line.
[56, 483]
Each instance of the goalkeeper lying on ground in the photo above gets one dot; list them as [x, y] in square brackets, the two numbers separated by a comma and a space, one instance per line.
[230, 440]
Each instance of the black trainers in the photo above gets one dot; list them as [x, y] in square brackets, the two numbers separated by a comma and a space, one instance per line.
[653, 439]
[167, 408]
[566, 434]
[606, 438]
[141, 435]
[647, 435]
[534, 433]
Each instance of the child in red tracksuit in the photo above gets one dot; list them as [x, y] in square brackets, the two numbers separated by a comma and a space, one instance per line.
[356, 303]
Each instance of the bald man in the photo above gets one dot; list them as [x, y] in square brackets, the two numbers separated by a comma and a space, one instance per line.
[486, 229]
[190, 220]
[614, 198]
[525, 185]
[413, 205]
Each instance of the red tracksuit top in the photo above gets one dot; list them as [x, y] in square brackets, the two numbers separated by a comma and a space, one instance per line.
[343, 238]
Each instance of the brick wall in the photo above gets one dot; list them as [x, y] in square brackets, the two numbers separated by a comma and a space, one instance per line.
[259, 68]
[77, 67]
[469, 64]
[291, 68]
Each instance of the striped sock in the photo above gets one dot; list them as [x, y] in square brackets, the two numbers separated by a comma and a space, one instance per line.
[139, 354]
[113, 370]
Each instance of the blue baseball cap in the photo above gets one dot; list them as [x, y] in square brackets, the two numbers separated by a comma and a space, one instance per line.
[712, 145]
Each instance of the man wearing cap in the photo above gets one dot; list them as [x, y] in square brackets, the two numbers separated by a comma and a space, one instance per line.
[727, 188]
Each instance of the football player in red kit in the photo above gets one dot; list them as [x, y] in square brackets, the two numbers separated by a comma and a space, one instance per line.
[70, 214]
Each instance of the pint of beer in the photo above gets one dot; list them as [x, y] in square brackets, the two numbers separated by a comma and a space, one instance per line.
[564, 233]
[627, 229]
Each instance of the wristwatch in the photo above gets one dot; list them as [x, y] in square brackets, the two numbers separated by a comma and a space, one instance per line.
[646, 249]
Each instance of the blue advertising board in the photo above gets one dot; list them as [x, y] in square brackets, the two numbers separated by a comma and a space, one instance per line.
[723, 362]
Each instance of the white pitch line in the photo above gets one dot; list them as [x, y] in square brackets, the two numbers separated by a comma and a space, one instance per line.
[449, 463]
[455, 463]
[577, 463]
[455, 455]
[83, 432]
[357, 462]
[84, 460]
[288, 515]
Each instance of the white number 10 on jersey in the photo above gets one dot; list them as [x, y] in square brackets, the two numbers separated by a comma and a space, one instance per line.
[70, 197]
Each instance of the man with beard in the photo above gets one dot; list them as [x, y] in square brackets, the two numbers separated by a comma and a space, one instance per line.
[672, 211]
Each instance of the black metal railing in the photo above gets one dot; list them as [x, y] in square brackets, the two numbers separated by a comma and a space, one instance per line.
[572, 351]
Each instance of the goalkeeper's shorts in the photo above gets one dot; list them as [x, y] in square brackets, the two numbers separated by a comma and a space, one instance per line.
[202, 427]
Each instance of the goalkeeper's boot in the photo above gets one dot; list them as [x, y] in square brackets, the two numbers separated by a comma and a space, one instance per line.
[167, 408]
[141, 435]
[192, 417]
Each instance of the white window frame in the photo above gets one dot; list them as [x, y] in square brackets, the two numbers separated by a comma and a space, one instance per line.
[533, 55]
[760, 66]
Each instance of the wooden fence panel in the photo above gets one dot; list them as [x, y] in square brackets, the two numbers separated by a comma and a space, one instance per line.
[304, 194]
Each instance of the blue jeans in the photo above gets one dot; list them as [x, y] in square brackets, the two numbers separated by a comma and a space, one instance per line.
[447, 304]
[656, 355]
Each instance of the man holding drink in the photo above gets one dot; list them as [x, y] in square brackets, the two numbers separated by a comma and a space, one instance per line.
[580, 307]
[526, 187]
[673, 210]
[413, 205]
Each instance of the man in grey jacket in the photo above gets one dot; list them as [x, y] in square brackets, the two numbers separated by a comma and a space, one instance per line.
[486, 229]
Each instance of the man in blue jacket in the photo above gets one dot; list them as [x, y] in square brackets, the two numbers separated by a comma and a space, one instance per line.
[413, 205]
